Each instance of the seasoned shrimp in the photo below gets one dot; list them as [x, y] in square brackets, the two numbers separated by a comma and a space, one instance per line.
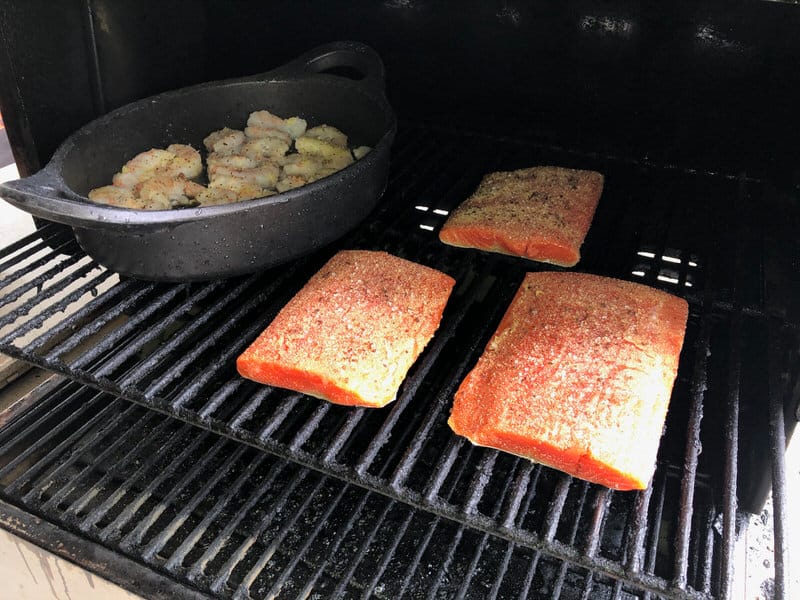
[295, 126]
[328, 133]
[216, 162]
[113, 195]
[304, 165]
[214, 196]
[125, 180]
[264, 175]
[265, 148]
[177, 159]
[142, 166]
[245, 190]
[186, 161]
[224, 141]
[148, 161]
[255, 133]
[168, 191]
[263, 119]
[269, 153]
[361, 152]
[324, 149]
[339, 161]
[289, 182]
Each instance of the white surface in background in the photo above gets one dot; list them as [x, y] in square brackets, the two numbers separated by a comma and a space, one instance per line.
[31, 573]
[14, 223]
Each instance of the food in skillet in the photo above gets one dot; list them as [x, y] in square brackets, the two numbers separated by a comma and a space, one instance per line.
[270, 156]
[353, 331]
[540, 213]
[578, 377]
[155, 180]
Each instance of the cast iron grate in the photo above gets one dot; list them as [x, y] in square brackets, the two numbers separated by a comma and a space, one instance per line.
[711, 239]
[228, 520]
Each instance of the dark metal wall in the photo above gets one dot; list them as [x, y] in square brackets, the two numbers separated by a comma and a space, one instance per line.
[711, 85]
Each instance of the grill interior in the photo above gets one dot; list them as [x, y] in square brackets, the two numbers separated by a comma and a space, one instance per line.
[725, 243]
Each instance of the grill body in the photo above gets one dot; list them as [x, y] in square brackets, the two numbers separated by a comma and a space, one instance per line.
[155, 450]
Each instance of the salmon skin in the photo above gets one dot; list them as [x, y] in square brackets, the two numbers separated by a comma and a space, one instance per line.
[578, 377]
[540, 213]
[353, 331]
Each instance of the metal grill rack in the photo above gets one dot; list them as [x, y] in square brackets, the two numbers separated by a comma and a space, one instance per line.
[226, 519]
[722, 242]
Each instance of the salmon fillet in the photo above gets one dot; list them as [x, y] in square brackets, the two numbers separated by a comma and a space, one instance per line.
[353, 331]
[577, 377]
[541, 213]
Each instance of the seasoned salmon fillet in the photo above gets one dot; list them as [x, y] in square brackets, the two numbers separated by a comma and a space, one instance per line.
[353, 331]
[578, 377]
[540, 213]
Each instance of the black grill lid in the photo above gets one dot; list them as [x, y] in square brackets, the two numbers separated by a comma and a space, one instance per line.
[720, 242]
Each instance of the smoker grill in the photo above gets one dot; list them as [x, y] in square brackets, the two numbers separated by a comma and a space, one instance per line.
[151, 452]
[172, 348]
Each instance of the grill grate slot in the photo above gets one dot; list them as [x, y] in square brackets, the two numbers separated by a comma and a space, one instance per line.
[172, 348]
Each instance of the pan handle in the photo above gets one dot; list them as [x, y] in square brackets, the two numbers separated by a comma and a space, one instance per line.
[353, 60]
[44, 194]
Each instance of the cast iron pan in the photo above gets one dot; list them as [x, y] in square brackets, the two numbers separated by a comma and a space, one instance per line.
[221, 241]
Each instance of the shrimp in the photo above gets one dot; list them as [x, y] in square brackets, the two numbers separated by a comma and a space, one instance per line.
[214, 196]
[186, 161]
[224, 141]
[177, 159]
[264, 175]
[295, 127]
[263, 119]
[328, 133]
[265, 148]
[125, 180]
[114, 196]
[304, 165]
[323, 149]
[289, 182]
[255, 133]
[168, 191]
[339, 161]
[141, 167]
[216, 162]
[361, 152]
[148, 161]
[245, 190]
[241, 164]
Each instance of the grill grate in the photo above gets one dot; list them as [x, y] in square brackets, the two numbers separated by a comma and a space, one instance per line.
[227, 520]
[708, 238]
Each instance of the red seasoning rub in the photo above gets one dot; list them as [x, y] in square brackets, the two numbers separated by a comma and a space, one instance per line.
[354, 330]
[541, 213]
[578, 377]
